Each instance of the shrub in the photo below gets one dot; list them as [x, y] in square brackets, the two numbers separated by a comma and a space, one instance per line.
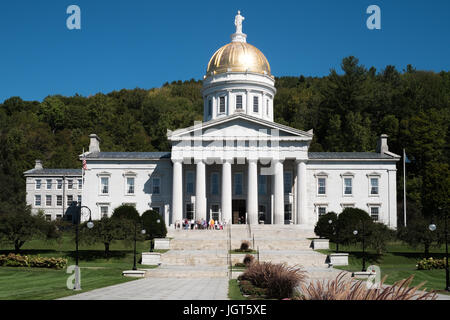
[430, 263]
[245, 246]
[324, 229]
[347, 289]
[349, 220]
[248, 288]
[279, 279]
[128, 212]
[153, 228]
[248, 260]
[13, 260]
[240, 265]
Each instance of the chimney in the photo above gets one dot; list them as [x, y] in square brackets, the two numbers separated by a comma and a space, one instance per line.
[38, 165]
[94, 145]
[382, 145]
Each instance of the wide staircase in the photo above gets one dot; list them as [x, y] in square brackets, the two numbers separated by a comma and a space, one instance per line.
[204, 253]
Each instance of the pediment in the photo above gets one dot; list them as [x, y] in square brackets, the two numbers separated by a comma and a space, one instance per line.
[239, 126]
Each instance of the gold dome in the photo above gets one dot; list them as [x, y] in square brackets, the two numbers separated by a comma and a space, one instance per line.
[238, 57]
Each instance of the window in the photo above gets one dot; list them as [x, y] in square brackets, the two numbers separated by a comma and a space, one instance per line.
[374, 186]
[80, 184]
[156, 209]
[287, 182]
[156, 186]
[348, 186]
[70, 184]
[49, 184]
[59, 200]
[48, 217]
[37, 200]
[58, 217]
[48, 200]
[59, 184]
[322, 211]
[239, 102]
[38, 184]
[375, 213]
[79, 199]
[104, 185]
[215, 212]
[238, 183]
[104, 211]
[189, 182]
[255, 104]
[221, 104]
[267, 107]
[69, 200]
[189, 211]
[321, 186]
[287, 213]
[262, 184]
[130, 185]
[215, 183]
[262, 213]
[209, 107]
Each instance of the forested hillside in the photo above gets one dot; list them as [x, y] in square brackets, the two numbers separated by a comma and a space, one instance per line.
[348, 110]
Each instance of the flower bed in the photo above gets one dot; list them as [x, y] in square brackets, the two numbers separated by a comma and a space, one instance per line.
[430, 263]
[13, 260]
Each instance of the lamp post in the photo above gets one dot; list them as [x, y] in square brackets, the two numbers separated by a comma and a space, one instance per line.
[135, 231]
[336, 228]
[355, 232]
[80, 212]
[432, 227]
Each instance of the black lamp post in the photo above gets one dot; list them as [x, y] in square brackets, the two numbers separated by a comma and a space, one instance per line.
[135, 235]
[363, 245]
[336, 228]
[432, 227]
[81, 211]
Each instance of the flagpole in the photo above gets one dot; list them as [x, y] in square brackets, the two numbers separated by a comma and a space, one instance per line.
[404, 188]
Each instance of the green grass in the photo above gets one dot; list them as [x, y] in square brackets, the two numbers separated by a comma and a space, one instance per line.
[398, 263]
[96, 271]
[234, 292]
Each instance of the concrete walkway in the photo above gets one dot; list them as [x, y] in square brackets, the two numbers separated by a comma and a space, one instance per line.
[160, 289]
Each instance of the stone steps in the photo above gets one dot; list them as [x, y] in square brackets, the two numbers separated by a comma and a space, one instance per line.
[187, 272]
[221, 244]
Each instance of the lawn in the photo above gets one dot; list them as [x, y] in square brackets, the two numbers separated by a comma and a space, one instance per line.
[234, 292]
[96, 271]
[399, 262]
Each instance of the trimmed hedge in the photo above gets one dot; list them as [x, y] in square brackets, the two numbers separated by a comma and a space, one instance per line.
[13, 260]
[430, 263]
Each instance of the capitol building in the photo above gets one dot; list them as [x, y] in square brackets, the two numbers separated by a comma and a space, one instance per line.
[237, 165]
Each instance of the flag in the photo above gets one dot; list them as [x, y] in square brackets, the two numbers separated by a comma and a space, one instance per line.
[406, 159]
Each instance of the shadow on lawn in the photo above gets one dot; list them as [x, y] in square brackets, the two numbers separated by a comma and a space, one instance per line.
[419, 255]
[86, 255]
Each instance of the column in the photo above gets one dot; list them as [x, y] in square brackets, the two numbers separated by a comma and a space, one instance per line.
[200, 191]
[302, 217]
[228, 111]
[177, 191]
[252, 195]
[278, 193]
[226, 191]
[248, 106]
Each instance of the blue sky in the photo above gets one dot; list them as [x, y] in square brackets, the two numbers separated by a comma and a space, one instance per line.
[137, 43]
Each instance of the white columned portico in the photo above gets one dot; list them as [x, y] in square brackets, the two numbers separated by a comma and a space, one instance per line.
[252, 197]
[226, 191]
[200, 191]
[177, 191]
[278, 193]
[302, 217]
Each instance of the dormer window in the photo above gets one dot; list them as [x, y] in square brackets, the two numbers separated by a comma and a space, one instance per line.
[255, 104]
[221, 104]
[239, 102]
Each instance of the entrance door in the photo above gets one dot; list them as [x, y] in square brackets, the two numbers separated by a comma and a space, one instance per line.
[238, 208]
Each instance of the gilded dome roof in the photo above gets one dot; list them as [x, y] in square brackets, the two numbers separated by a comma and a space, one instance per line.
[238, 56]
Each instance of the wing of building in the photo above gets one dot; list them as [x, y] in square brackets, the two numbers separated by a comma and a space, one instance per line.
[238, 165]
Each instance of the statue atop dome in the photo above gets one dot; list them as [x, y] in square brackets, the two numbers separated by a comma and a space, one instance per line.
[238, 22]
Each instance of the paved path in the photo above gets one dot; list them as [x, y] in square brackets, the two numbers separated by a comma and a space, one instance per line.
[160, 289]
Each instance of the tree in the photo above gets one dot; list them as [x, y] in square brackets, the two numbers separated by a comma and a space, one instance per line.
[18, 227]
[153, 228]
[378, 236]
[106, 231]
[127, 212]
[349, 220]
[435, 189]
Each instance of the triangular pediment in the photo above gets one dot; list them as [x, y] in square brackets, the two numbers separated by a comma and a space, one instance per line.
[240, 126]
